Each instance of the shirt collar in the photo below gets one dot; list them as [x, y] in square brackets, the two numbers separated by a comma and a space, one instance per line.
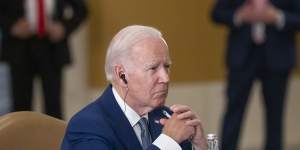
[132, 116]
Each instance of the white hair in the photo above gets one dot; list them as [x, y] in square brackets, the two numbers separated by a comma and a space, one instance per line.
[121, 45]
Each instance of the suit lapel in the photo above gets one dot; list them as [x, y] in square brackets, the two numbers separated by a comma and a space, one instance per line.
[118, 121]
[155, 126]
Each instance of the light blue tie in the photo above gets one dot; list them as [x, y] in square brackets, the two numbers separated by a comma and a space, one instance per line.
[145, 134]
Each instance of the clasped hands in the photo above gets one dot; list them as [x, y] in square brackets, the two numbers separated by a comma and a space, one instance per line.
[55, 30]
[185, 125]
[253, 11]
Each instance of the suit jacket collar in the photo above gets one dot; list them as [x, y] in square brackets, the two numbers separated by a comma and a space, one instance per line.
[120, 124]
[118, 121]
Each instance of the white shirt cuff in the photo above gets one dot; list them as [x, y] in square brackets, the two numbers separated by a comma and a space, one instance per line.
[165, 142]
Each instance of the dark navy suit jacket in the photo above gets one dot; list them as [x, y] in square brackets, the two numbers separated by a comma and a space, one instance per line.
[103, 126]
[279, 49]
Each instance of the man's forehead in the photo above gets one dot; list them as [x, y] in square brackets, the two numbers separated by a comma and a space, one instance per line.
[147, 61]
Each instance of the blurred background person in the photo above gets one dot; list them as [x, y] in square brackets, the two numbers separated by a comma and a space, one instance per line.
[35, 43]
[261, 45]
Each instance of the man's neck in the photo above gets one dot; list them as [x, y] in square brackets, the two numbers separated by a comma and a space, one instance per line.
[125, 95]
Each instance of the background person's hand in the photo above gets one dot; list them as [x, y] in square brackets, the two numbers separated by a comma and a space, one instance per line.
[246, 15]
[56, 31]
[270, 14]
[21, 29]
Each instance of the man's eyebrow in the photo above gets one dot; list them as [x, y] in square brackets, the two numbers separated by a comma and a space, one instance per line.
[169, 62]
[149, 65]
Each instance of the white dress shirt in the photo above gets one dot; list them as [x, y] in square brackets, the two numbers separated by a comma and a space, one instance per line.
[163, 141]
[31, 12]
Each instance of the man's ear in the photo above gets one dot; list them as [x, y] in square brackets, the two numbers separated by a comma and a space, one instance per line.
[120, 74]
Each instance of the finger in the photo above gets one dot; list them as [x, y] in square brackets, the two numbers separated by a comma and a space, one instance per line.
[191, 131]
[186, 115]
[194, 122]
[179, 108]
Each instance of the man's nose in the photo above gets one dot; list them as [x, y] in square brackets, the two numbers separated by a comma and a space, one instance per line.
[164, 75]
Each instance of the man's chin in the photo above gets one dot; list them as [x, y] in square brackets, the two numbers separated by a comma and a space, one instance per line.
[161, 102]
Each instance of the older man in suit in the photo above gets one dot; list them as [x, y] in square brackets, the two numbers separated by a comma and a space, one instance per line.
[261, 45]
[130, 114]
[35, 42]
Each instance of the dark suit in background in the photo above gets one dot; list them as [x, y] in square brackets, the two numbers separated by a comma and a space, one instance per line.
[103, 125]
[33, 55]
[270, 62]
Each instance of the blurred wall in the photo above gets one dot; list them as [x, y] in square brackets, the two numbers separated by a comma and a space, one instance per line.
[196, 44]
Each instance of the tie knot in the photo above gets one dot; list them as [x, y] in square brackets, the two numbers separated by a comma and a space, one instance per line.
[143, 123]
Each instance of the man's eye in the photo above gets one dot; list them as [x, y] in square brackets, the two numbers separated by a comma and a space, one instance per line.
[153, 68]
[167, 66]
